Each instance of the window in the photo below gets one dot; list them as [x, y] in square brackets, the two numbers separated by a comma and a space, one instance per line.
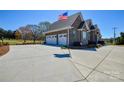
[60, 36]
[74, 35]
[88, 35]
[84, 35]
[74, 32]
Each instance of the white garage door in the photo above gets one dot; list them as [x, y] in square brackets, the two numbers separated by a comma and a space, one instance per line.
[51, 39]
[62, 39]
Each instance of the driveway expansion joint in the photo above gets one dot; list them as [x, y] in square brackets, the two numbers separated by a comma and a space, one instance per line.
[99, 63]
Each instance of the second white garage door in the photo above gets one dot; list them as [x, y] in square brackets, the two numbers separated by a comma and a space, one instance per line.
[51, 39]
[62, 39]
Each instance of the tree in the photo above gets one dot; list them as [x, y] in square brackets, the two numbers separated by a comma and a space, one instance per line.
[17, 35]
[120, 40]
[9, 34]
[24, 32]
[44, 26]
[35, 31]
[122, 34]
[1, 37]
[2, 34]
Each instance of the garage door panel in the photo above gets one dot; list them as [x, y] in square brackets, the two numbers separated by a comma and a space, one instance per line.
[51, 39]
[62, 39]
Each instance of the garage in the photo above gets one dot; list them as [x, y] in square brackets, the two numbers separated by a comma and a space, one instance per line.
[51, 39]
[62, 39]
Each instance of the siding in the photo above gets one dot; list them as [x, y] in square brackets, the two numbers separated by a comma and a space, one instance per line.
[93, 36]
[77, 22]
[74, 36]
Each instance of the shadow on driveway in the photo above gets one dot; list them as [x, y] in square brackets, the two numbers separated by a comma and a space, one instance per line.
[51, 45]
[87, 49]
[62, 55]
[90, 49]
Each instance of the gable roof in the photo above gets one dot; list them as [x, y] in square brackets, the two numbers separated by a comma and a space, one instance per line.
[84, 25]
[81, 25]
[65, 23]
[89, 22]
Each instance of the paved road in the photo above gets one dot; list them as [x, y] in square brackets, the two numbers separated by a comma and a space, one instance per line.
[48, 63]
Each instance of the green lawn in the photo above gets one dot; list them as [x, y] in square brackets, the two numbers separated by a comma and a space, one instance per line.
[14, 42]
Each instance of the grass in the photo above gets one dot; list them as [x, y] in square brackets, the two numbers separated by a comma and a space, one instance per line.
[17, 42]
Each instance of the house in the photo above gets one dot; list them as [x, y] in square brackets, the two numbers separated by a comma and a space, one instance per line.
[74, 29]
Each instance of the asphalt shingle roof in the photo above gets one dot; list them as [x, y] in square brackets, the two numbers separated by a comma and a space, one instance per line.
[64, 23]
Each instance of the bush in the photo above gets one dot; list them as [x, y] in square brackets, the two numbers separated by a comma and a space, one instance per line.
[4, 43]
[98, 45]
[1, 44]
[76, 44]
[44, 42]
[101, 42]
[64, 47]
[91, 45]
[91, 42]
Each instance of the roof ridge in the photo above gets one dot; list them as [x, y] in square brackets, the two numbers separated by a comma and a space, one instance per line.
[75, 14]
[59, 23]
[69, 16]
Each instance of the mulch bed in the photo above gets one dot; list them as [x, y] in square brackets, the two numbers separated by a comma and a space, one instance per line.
[4, 49]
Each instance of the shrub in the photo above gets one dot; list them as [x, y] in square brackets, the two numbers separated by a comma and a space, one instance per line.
[44, 42]
[76, 44]
[4, 43]
[64, 47]
[98, 45]
[91, 42]
[91, 45]
[101, 42]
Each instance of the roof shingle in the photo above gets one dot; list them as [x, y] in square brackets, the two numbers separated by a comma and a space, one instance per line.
[64, 23]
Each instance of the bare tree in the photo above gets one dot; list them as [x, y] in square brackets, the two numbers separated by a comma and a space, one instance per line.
[35, 31]
[24, 32]
[44, 26]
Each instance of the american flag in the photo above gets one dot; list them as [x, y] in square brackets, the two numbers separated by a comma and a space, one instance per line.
[64, 16]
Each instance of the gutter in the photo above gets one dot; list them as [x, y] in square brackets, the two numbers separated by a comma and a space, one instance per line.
[56, 30]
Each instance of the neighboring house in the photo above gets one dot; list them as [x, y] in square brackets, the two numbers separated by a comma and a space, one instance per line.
[74, 29]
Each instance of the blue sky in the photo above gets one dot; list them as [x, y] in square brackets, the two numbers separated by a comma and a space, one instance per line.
[10, 19]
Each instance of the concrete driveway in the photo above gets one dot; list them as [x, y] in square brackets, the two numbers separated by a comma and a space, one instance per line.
[48, 63]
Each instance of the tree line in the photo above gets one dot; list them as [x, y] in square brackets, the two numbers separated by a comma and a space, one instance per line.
[28, 32]
[120, 39]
